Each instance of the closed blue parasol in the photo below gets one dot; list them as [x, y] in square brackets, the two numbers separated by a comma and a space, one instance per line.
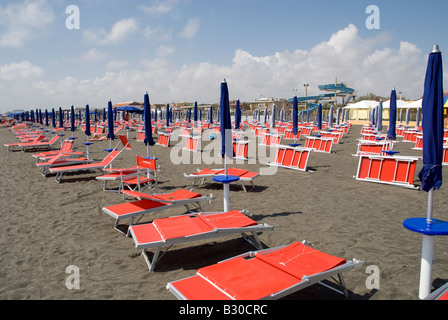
[110, 122]
[237, 115]
[319, 117]
[53, 118]
[295, 118]
[72, 120]
[431, 173]
[195, 114]
[147, 124]
[61, 118]
[87, 131]
[211, 115]
[226, 143]
[46, 117]
[379, 124]
[391, 133]
[167, 115]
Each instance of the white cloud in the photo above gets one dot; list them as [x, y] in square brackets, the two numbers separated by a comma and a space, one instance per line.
[116, 64]
[159, 7]
[20, 71]
[190, 29]
[23, 22]
[367, 65]
[91, 56]
[158, 33]
[119, 32]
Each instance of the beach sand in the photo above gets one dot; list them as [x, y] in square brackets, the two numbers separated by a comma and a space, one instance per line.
[47, 226]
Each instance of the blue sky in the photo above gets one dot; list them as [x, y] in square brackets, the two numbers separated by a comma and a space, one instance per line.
[180, 50]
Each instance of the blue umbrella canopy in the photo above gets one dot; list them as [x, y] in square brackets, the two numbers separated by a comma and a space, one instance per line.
[147, 121]
[195, 113]
[110, 121]
[391, 133]
[237, 115]
[226, 122]
[211, 115]
[432, 124]
[61, 118]
[319, 117]
[46, 117]
[87, 131]
[53, 118]
[167, 118]
[72, 119]
[379, 124]
[295, 117]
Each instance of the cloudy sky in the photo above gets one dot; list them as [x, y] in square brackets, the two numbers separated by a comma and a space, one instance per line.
[181, 50]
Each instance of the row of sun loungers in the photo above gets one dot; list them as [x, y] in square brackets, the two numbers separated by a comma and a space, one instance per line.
[263, 274]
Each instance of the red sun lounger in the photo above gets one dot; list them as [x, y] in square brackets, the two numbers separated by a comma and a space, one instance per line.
[244, 175]
[66, 147]
[265, 274]
[193, 227]
[291, 157]
[153, 203]
[439, 294]
[34, 145]
[394, 170]
[106, 162]
[60, 160]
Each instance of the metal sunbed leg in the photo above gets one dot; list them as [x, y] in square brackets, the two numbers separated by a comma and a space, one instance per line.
[151, 264]
[243, 186]
[344, 286]
[253, 240]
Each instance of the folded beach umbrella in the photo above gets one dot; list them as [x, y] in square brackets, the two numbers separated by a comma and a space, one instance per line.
[273, 116]
[319, 117]
[87, 131]
[295, 117]
[110, 124]
[195, 114]
[379, 123]
[147, 124]
[72, 120]
[211, 115]
[61, 118]
[104, 115]
[237, 115]
[53, 118]
[167, 114]
[407, 116]
[330, 117]
[46, 117]
[431, 173]
[226, 142]
[391, 133]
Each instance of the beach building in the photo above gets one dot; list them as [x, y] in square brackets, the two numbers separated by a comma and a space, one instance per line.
[263, 103]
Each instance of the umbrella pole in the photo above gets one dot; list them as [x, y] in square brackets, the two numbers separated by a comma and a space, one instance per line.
[88, 148]
[427, 254]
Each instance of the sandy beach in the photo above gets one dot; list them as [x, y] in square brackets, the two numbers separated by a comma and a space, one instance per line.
[47, 226]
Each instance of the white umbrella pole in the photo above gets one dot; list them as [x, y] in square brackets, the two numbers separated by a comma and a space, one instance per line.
[226, 189]
[427, 255]
[88, 148]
